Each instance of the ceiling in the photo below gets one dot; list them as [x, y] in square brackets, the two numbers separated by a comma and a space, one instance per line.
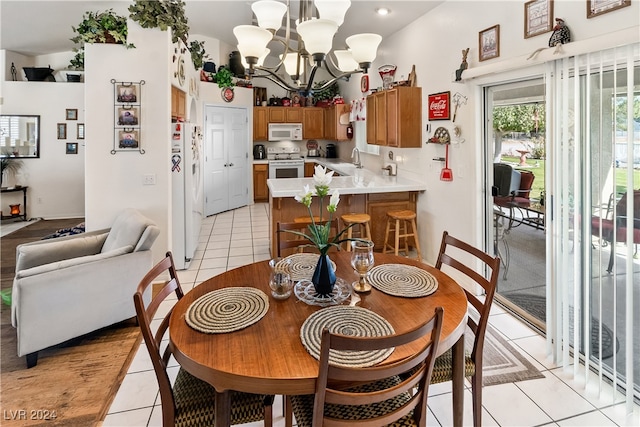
[42, 27]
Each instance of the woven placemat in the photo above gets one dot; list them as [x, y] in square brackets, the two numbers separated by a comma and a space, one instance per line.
[402, 280]
[303, 265]
[346, 320]
[227, 310]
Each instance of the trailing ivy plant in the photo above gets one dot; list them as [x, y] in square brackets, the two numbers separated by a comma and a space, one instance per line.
[164, 14]
[98, 27]
[198, 54]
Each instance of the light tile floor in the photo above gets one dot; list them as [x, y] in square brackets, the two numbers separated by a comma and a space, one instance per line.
[238, 237]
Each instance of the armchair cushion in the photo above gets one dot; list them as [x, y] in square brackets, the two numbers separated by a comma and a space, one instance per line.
[42, 252]
[56, 266]
[128, 229]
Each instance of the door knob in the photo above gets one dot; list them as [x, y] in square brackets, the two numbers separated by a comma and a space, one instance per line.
[230, 164]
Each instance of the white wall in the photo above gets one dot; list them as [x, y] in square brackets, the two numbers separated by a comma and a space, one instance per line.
[434, 43]
[56, 179]
[114, 181]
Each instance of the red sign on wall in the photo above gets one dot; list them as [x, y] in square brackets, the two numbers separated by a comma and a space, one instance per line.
[439, 106]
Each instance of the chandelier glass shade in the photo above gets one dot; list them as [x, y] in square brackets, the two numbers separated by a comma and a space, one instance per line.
[310, 50]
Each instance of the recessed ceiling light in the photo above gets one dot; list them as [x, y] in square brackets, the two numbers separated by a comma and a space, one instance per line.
[383, 11]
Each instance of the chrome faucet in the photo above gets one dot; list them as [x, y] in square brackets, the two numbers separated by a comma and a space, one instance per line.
[355, 156]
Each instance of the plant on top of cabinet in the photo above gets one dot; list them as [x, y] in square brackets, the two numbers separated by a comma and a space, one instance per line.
[98, 27]
[164, 14]
[224, 77]
[324, 96]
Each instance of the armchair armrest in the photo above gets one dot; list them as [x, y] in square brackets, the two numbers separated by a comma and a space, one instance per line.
[60, 265]
[43, 252]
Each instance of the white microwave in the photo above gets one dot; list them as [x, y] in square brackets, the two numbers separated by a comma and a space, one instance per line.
[285, 131]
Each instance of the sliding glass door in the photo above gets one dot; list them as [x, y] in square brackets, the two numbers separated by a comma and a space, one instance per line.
[516, 113]
[593, 295]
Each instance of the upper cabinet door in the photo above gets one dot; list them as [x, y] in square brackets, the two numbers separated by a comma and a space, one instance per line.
[312, 123]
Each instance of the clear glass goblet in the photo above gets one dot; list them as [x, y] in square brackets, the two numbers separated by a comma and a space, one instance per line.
[280, 278]
[362, 261]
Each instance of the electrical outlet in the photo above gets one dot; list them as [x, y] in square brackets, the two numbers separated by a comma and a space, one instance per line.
[149, 179]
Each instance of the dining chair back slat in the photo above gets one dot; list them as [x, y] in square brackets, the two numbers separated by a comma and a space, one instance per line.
[376, 395]
[477, 323]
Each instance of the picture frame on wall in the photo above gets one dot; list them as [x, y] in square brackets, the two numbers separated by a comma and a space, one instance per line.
[128, 116]
[489, 43]
[600, 7]
[127, 93]
[439, 105]
[128, 139]
[72, 148]
[62, 131]
[80, 132]
[72, 114]
[538, 17]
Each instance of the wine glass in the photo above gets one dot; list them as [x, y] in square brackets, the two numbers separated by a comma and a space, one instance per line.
[362, 261]
[280, 278]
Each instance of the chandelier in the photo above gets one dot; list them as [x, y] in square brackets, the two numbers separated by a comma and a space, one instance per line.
[314, 42]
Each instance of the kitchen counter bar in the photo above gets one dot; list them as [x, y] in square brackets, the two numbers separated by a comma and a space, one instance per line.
[361, 191]
[358, 181]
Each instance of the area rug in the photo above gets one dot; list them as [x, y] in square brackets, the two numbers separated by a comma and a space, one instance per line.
[502, 362]
[537, 306]
[73, 383]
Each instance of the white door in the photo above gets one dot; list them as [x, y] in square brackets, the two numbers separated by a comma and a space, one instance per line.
[226, 159]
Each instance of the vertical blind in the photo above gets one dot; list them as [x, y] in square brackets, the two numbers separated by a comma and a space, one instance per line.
[593, 315]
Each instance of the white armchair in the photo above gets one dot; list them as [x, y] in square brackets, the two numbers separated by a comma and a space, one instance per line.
[70, 286]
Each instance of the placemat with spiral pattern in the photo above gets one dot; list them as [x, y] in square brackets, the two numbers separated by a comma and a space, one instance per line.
[402, 280]
[346, 320]
[227, 310]
[303, 265]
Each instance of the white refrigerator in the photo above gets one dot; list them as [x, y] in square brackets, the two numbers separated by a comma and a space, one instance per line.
[187, 191]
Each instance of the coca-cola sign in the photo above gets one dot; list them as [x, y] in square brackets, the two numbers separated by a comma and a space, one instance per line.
[439, 106]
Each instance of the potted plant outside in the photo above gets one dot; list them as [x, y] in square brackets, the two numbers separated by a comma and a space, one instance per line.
[98, 27]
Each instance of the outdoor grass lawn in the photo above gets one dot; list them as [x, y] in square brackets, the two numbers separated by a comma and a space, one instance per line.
[537, 167]
[534, 165]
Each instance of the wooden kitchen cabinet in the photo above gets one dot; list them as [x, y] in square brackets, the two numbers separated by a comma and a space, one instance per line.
[378, 204]
[285, 114]
[394, 117]
[312, 123]
[333, 130]
[178, 103]
[260, 189]
[309, 169]
[260, 123]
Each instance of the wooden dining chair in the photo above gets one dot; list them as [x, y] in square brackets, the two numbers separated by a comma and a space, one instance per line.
[288, 243]
[455, 254]
[190, 402]
[383, 396]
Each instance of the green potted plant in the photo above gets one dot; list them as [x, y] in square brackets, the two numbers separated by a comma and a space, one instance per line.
[224, 77]
[164, 14]
[9, 165]
[323, 97]
[98, 27]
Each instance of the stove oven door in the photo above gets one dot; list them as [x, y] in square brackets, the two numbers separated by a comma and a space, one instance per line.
[286, 169]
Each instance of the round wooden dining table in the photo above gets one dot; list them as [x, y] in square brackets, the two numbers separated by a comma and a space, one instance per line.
[268, 357]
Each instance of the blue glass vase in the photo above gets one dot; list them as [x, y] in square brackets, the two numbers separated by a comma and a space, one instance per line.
[324, 277]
